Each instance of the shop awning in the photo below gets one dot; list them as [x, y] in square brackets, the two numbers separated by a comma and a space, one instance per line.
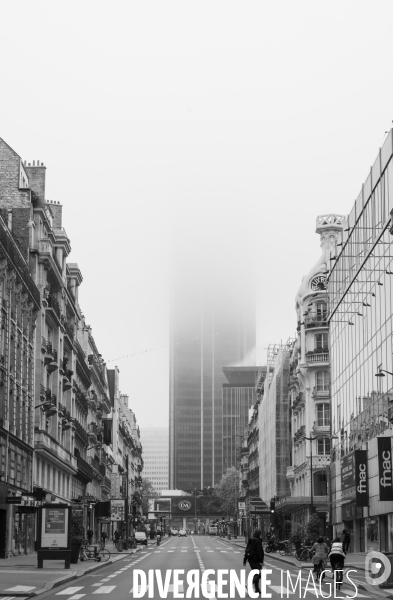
[298, 503]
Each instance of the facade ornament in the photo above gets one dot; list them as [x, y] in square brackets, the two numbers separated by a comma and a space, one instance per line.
[3, 269]
[11, 280]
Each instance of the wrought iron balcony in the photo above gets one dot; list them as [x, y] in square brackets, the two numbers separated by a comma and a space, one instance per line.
[85, 471]
[81, 432]
[54, 305]
[316, 320]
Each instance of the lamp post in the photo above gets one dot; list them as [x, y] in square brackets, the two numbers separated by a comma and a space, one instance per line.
[311, 440]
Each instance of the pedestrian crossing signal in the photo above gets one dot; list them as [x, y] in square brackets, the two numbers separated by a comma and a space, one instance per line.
[272, 506]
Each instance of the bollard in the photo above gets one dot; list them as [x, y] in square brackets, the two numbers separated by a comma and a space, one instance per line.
[229, 536]
[389, 582]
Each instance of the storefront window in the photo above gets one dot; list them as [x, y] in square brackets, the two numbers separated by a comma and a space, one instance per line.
[372, 533]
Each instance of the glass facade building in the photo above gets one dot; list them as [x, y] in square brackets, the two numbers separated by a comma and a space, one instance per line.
[212, 325]
[360, 286]
[238, 396]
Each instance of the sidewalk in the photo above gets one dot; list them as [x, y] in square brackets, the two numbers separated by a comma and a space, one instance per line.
[354, 560]
[19, 576]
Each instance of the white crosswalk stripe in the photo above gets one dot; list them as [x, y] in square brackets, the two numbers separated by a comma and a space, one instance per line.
[77, 597]
[282, 591]
[69, 591]
[105, 589]
[138, 589]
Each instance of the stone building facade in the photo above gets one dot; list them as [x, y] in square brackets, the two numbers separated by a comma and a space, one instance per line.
[309, 389]
[54, 391]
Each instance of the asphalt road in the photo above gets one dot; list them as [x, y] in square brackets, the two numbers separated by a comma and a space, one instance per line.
[197, 553]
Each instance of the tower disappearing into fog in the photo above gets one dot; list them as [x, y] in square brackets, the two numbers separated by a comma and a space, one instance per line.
[212, 325]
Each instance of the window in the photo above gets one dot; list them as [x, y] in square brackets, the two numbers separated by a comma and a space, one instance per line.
[324, 446]
[321, 341]
[321, 310]
[323, 381]
[320, 484]
[323, 415]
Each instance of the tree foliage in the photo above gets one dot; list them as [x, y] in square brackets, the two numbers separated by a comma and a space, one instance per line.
[226, 491]
[314, 526]
[147, 493]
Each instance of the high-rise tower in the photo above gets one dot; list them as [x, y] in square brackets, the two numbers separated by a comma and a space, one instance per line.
[212, 325]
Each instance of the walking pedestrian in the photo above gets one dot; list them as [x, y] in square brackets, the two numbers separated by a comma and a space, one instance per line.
[89, 534]
[346, 540]
[104, 535]
[254, 555]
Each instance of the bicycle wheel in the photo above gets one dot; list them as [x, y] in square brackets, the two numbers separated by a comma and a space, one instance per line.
[268, 549]
[284, 550]
[303, 554]
[104, 555]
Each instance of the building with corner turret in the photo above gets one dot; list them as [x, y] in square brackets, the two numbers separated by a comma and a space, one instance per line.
[309, 389]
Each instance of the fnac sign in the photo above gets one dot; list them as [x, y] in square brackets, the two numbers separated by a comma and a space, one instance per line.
[361, 481]
[385, 468]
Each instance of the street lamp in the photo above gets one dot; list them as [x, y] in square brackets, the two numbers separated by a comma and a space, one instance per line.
[381, 372]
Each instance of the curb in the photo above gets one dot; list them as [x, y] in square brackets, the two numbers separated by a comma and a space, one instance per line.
[68, 577]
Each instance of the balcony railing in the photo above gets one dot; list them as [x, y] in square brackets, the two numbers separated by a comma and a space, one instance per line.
[81, 432]
[317, 320]
[54, 305]
[84, 467]
[318, 357]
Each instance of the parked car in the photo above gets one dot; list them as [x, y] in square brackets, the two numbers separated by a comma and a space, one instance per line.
[213, 530]
[174, 532]
[182, 533]
[141, 537]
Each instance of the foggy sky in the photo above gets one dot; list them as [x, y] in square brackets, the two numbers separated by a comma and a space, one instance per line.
[162, 120]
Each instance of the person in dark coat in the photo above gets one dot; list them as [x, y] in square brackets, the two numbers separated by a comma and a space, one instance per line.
[90, 534]
[346, 540]
[254, 555]
[104, 535]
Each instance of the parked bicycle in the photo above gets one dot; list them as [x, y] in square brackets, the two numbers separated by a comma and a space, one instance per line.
[273, 545]
[132, 542]
[94, 552]
[286, 549]
[304, 553]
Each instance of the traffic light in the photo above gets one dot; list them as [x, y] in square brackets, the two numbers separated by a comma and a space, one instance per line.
[272, 506]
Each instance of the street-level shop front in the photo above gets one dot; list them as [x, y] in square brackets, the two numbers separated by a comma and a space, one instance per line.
[362, 495]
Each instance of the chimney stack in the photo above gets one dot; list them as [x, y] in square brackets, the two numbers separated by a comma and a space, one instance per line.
[36, 175]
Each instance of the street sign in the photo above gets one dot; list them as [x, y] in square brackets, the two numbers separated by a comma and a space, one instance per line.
[14, 499]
